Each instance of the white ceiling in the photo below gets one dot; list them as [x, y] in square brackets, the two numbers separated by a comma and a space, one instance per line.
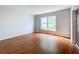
[36, 9]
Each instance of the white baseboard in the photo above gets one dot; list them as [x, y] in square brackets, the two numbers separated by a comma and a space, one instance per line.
[77, 46]
[11, 36]
[4, 38]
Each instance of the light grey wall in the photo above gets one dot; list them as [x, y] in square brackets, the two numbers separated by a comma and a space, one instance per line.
[13, 23]
[62, 22]
[77, 29]
[74, 25]
[75, 33]
[77, 23]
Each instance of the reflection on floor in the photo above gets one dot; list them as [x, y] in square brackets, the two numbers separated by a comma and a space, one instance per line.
[37, 43]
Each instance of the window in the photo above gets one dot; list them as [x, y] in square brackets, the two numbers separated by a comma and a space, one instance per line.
[48, 23]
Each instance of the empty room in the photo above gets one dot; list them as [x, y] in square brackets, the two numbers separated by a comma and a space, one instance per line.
[36, 29]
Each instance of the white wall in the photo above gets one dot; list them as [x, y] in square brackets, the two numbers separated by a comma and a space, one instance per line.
[63, 23]
[13, 23]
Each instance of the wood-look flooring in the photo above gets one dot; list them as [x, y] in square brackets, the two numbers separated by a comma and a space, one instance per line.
[37, 43]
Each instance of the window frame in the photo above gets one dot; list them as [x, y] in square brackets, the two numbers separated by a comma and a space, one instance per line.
[48, 24]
